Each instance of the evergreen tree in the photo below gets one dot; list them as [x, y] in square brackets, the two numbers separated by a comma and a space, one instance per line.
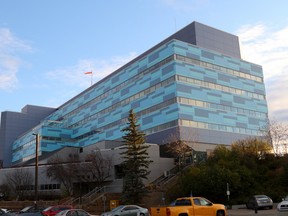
[136, 162]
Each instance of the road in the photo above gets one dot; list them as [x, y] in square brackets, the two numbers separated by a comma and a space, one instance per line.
[249, 212]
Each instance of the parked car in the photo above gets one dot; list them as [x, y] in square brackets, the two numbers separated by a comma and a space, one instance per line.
[6, 212]
[127, 210]
[259, 202]
[283, 206]
[73, 212]
[53, 210]
[192, 206]
[2, 210]
[31, 209]
[35, 213]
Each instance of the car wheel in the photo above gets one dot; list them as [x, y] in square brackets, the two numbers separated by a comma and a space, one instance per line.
[220, 213]
[141, 214]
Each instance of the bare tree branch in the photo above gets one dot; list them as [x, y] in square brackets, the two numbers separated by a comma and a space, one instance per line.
[276, 134]
[179, 148]
[63, 171]
[19, 180]
[96, 166]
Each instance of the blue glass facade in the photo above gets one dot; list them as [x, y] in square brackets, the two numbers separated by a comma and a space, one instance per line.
[175, 84]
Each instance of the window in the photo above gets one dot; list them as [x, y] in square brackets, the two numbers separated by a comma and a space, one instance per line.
[196, 201]
[183, 202]
[204, 202]
[82, 213]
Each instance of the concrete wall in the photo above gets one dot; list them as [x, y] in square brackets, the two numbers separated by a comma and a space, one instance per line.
[14, 124]
[157, 167]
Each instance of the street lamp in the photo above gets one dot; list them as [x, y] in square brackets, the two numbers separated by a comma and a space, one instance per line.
[36, 171]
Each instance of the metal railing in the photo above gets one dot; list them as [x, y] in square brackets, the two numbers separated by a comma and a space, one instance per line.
[164, 178]
[94, 195]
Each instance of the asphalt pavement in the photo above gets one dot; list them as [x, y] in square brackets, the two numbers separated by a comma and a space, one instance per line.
[249, 212]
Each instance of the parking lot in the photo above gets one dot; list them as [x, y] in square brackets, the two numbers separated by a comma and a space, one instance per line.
[249, 212]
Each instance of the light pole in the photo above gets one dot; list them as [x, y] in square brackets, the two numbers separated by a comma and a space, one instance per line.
[36, 171]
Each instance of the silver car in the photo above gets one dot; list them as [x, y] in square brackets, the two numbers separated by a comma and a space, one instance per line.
[127, 210]
[73, 212]
[259, 201]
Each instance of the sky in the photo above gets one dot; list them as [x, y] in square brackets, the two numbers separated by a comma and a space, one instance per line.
[47, 46]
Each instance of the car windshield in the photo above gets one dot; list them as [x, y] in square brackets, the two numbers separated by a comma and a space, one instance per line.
[117, 208]
[261, 197]
[62, 212]
[286, 198]
[26, 209]
[48, 208]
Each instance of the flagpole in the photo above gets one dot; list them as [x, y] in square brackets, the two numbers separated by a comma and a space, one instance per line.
[91, 78]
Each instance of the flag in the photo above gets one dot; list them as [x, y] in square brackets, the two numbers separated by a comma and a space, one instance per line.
[89, 72]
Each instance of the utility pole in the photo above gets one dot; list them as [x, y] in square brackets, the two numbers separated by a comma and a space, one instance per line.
[36, 171]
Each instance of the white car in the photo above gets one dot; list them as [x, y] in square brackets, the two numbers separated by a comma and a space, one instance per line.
[127, 210]
[283, 206]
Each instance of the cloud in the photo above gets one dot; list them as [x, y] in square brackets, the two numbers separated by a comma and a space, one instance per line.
[74, 75]
[71, 80]
[269, 47]
[10, 46]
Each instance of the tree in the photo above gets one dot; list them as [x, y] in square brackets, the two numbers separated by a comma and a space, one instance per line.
[252, 147]
[97, 166]
[136, 161]
[180, 149]
[63, 171]
[276, 134]
[19, 180]
[249, 167]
